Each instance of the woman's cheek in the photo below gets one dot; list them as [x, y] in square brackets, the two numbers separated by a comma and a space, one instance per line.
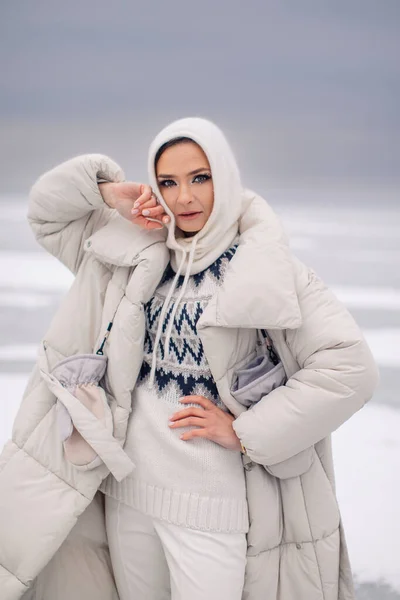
[169, 201]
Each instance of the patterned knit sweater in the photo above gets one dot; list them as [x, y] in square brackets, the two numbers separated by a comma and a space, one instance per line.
[196, 483]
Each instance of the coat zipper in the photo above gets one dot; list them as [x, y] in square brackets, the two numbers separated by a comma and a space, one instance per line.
[270, 347]
[107, 333]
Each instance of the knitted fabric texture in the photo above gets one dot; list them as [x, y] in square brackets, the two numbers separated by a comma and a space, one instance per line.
[196, 483]
[185, 372]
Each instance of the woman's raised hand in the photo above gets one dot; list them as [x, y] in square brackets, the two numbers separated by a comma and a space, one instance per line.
[135, 202]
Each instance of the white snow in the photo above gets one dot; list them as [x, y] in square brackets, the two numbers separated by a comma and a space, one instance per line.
[385, 345]
[15, 211]
[298, 242]
[378, 298]
[367, 460]
[34, 271]
[299, 224]
[12, 387]
[24, 300]
[18, 352]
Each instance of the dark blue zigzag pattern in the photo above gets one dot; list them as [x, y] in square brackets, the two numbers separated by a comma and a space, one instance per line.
[187, 384]
[180, 355]
[153, 313]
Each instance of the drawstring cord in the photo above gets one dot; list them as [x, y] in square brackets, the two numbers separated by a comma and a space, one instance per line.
[176, 303]
[165, 309]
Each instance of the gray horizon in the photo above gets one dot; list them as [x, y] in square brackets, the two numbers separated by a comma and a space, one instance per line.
[307, 94]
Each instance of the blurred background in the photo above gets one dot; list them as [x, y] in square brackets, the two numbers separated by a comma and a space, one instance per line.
[308, 94]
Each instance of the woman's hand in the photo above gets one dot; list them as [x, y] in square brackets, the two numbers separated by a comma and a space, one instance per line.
[132, 200]
[214, 424]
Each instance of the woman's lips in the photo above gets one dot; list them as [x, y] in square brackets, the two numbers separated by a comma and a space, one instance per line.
[188, 216]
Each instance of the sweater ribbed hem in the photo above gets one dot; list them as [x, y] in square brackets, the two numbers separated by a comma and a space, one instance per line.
[223, 515]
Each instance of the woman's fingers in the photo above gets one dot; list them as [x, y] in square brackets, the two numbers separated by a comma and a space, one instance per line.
[150, 208]
[146, 208]
[151, 213]
[189, 421]
[155, 212]
[204, 402]
[124, 194]
[145, 223]
[145, 204]
[192, 411]
[146, 194]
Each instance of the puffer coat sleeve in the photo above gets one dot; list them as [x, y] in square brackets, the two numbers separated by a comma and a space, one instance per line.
[337, 376]
[66, 207]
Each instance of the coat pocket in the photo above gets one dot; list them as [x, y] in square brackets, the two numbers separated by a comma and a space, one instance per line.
[83, 415]
[257, 379]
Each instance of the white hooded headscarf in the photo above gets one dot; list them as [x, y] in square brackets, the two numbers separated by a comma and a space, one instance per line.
[190, 255]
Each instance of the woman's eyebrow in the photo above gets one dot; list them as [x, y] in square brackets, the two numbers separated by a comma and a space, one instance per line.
[166, 176]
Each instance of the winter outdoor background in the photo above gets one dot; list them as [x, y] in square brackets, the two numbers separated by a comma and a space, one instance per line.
[308, 93]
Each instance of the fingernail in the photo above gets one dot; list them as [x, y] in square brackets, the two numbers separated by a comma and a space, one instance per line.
[145, 212]
[135, 211]
[165, 219]
[137, 203]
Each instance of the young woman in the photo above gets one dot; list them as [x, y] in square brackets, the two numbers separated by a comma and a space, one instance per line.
[224, 488]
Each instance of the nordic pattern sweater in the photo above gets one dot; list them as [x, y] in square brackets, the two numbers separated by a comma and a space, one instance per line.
[196, 483]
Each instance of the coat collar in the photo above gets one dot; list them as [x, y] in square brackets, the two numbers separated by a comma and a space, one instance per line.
[259, 288]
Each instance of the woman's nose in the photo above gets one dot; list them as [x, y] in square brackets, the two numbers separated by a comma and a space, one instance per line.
[185, 194]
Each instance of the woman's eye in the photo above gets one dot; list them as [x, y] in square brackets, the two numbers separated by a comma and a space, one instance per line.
[167, 183]
[201, 178]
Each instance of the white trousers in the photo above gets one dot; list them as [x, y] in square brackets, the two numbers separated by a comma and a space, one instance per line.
[155, 560]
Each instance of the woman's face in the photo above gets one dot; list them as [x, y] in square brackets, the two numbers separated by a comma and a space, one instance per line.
[184, 178]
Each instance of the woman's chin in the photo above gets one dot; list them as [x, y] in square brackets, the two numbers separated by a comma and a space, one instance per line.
[190, 227]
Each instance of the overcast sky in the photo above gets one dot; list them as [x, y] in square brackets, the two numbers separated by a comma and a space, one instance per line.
[307, 91]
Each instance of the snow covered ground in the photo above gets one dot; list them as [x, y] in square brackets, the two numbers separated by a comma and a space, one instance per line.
[367, 459]
[356, 251]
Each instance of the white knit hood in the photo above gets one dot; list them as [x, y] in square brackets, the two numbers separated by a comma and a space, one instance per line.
[194, 254]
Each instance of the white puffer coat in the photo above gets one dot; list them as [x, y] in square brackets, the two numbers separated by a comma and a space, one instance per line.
[296, 548]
